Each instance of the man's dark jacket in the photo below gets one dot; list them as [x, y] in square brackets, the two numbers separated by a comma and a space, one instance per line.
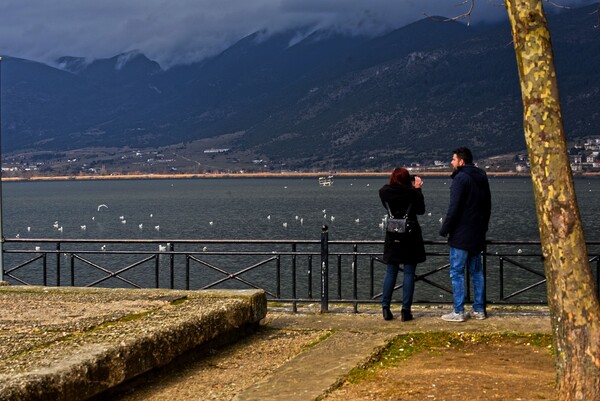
[469, 211]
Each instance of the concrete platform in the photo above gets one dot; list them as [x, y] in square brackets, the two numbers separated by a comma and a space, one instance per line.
[73, 343]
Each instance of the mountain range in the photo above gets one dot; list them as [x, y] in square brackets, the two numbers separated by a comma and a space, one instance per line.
[323, 100]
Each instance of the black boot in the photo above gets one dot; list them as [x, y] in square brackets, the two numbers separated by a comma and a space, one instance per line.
[387, 313]
[406, 315]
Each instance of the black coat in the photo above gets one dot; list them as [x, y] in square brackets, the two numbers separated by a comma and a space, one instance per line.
[403, 248]
[469, 211]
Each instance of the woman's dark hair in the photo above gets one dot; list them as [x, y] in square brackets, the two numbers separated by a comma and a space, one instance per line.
[464, 154]
[401, 176]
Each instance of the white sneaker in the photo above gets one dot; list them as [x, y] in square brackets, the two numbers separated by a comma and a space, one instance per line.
[478, 315]
[454, 317]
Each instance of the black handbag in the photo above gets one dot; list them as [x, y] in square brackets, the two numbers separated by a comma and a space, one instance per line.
[397, 226]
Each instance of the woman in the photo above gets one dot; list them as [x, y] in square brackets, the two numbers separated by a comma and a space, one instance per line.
[407, 249]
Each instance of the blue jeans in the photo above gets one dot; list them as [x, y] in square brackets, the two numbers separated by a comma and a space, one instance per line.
[408, 285]
[459, 258]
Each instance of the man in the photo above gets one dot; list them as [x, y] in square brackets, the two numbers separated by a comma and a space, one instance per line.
[465, 225]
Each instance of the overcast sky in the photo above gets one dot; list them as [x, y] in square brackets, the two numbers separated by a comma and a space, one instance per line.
[181, 31]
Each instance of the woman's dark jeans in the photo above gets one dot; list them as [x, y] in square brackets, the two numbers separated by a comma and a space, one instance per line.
[408, 285]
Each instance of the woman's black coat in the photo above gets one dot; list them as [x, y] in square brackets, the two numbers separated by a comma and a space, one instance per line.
[403, 248]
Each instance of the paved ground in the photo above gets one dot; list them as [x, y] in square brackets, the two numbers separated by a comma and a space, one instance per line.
[72, 330]
[316, 357]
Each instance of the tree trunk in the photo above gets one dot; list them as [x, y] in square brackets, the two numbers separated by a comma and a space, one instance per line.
[572, 297]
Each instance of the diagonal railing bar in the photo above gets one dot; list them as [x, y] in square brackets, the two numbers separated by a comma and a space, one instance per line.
[503, 259]
[7, 272]
[522, 266]
[422, 277]
[235, 275]
[17, 279]
[113, 274]
[525, 289]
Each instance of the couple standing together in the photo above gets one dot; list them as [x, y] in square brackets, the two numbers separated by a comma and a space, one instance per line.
[465, 225]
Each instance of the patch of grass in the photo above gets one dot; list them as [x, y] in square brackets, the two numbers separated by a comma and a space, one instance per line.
[406, 345]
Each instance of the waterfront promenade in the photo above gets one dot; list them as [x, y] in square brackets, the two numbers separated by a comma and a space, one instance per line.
[74, 343]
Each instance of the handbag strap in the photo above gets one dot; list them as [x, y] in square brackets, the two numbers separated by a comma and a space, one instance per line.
[387, 205]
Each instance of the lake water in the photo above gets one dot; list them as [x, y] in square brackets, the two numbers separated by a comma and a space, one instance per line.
[267, 209]
[281, 208]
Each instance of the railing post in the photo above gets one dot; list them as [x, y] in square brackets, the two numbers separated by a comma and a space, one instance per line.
[72, 270]
[339, 277]
[157, 270]
[45, 268]
[278, 273]
[309, 286]
[172, 264]
[294, 295]
[501, 277]
[324, 269]
[187, 272]
[58, 264]
[355, 277]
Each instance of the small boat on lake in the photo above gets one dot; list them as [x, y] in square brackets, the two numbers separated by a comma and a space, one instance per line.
[326, 181]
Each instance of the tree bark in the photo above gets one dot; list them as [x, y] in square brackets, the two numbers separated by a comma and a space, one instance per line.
[572, 296]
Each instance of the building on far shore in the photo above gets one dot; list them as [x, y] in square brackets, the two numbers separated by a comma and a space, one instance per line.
[585, 157]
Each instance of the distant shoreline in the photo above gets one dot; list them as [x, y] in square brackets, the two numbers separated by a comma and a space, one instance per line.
[254, 175]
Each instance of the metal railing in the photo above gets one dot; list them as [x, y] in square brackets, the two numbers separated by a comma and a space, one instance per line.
[348, 272]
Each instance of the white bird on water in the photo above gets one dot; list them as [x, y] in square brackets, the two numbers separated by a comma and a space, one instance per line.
[141, 226]
[60, 229]
[84, 227]
[103, 248]
[124, 221]
[121, 217]
[101, 206]
[284, 225]
[162, 248]
[28, 229]
[357, 220]
[301, 220]
[210, 223]
[55, 225]
[157, 228]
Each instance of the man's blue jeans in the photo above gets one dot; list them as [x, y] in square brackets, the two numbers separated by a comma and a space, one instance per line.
[459, 258]
[408, 285]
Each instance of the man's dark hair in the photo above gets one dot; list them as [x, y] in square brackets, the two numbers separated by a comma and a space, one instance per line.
[464, 154]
